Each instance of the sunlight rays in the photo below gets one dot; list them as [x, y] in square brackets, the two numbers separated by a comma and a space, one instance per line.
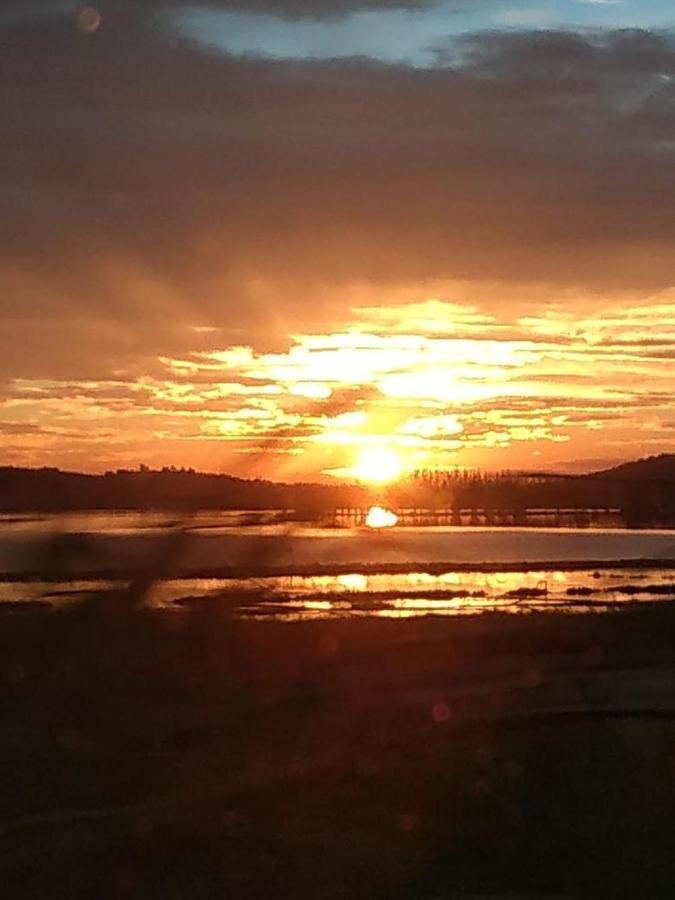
[369, 405]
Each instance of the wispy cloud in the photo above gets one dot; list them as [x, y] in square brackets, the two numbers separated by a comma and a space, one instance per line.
[439, 399]
[203, 254]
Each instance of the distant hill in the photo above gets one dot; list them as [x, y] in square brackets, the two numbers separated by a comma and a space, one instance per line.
[652, 468]
[643, 490]
[51, 490]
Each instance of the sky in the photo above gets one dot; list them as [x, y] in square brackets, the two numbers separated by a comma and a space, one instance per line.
[269, 237]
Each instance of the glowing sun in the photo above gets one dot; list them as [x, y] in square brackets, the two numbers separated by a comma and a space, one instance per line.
[378, 465]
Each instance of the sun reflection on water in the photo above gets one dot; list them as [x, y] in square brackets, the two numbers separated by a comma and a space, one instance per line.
[358, 583]
[378, 517]
[355, 594]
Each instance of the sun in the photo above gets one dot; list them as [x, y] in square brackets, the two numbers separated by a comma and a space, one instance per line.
[378, 465]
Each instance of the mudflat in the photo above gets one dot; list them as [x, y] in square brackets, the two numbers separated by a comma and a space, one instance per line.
[190, 753]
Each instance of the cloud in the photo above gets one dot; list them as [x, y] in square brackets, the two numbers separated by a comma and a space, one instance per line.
[158, 180]
[432, 396]
[311, 9]
[154, 190]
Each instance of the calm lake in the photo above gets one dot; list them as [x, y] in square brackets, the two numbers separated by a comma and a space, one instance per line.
[295, 573]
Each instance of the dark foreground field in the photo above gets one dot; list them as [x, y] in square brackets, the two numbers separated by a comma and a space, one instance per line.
[189, 755]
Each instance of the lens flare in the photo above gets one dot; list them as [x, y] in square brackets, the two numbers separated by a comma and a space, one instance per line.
[88, 19]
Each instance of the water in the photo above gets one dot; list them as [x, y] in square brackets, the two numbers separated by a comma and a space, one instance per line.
[417, 594]
[315, 573]
[214, 543]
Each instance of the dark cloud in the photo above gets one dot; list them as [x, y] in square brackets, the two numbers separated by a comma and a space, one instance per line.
[313, 9]
[147, 179]
[562, 57]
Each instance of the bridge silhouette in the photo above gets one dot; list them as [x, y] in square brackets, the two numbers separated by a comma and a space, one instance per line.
[563, 517]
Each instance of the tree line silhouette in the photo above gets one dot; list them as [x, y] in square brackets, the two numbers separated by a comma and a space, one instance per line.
[643, 490]
[644, 493]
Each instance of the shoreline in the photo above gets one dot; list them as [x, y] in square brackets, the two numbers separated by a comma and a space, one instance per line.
[148, 737]
[234, 573]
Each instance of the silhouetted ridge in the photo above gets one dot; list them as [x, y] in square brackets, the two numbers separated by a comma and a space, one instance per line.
[653, 468]
[643, 491]
[27, 490]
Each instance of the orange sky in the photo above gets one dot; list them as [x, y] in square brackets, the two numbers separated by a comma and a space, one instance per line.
[272, 263]
[437, 383]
